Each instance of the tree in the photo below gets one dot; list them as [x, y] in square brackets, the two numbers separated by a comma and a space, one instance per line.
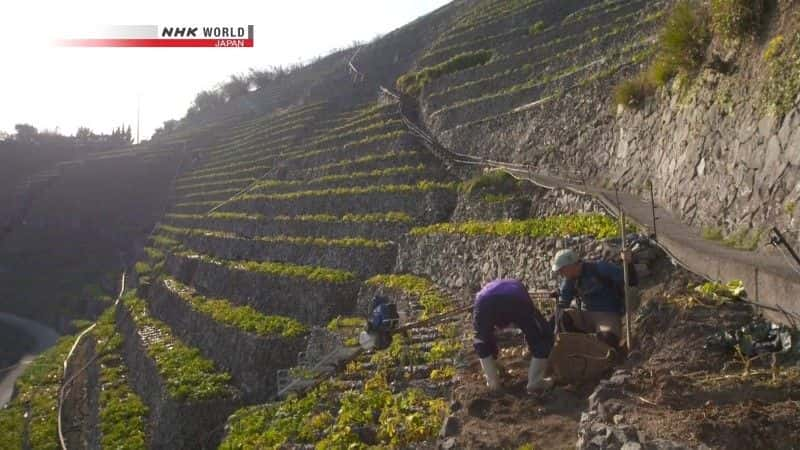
[84, 134]
[26, 133]
[237, 86]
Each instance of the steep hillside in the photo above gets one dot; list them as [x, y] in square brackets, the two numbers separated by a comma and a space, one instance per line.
[257, 234]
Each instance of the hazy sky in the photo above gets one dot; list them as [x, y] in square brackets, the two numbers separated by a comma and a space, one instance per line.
[51, 87]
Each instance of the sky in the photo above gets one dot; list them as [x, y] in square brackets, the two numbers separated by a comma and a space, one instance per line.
[61, 88]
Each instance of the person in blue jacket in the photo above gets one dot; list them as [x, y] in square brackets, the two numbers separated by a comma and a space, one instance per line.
[499, 304]
[598, 287]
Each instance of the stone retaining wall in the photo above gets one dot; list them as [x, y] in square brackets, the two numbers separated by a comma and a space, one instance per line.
[305, 300]
[251, 359]
[173, 424]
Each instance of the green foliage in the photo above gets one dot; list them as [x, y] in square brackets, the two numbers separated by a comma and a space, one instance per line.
[494, 182]
[244, 318]
[422, 186]
[774, 48]
[660, 72]
[443, 349]
[280, 239]
[685, 36]
[399, 217]
[412, 83]
[536, 28]
[633, 93]
[187, 374]
[432, 300]
[721, 293]
[782, 85]
[37, 391]
[744, 239]
[597, 225]
[317, 274]
[122, 414]
[443, 373]
[142, 269]
[733, 19]
[712, 234]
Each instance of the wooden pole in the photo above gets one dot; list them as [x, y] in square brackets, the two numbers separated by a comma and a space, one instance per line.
[625, 276]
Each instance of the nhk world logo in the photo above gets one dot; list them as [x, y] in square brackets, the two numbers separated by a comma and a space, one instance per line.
[162, 36]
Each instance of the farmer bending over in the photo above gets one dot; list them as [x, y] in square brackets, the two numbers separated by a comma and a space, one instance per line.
[502, 303]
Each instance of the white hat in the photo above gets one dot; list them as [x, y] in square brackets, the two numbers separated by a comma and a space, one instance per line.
[564, 258]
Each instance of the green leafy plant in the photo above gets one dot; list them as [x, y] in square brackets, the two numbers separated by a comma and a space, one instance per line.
[431, 299]
[187, 375]
[536, 28]
[721, 293]
[412, 83]
[244, 318]
[733, 19]
[597, 225]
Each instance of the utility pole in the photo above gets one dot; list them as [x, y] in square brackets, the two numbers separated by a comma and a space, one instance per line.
[138, 113]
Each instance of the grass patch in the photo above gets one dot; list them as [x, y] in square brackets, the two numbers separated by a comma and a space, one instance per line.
[536, 28]
[633, 93]
[422, 186]
[734, 19]
[597, 225]
[712, 234]
[244, 318]
[494, 182]
[187, 375]
[122, 414]
[782, 86]
[412, 83]
[317, 274]
[37, 399]
[432, 300]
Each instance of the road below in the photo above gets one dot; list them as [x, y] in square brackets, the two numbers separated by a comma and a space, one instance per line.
[44, 337]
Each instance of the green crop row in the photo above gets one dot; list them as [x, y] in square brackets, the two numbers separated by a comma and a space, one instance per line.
[597, 225]
[243, 318]
[412, 83]
[242, 181]
[304, 240]
[389, 125]
[377, 173]
[36, 402]
[122, 414]
[422, 186]
[305, 153]
[188, 375]
[392, 154]
[399, 217]
[327, 418]
[431, 299]
[310, 273]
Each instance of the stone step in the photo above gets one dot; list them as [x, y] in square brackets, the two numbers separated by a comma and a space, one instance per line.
[360, 256]
[388, 226]
[244, 342]
[188, 398]
[312, 295]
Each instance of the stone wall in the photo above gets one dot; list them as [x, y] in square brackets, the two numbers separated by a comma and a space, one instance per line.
[173, 424]
[361, 260]
[460, 261]
[305, 300]
[255, 359]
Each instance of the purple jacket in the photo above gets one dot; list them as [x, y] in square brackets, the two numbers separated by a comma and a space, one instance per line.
[506, 302]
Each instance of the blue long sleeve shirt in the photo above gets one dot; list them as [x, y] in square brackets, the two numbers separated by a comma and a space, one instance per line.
[599, 287]
[505, 302]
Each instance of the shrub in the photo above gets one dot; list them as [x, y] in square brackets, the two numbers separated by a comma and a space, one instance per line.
[660, 72]
[633, 93]
[412, 83]
[536, 28]
[685, 36]
[774, 48]
[733, 19]
[782, 86]
[495, 182]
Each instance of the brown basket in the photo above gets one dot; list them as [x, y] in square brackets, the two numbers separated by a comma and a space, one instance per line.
[579, 357]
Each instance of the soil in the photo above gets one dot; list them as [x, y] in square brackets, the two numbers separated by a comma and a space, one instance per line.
[680, 389]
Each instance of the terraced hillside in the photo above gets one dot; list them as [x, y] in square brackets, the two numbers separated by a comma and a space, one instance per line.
[545, 57]
[271, 233]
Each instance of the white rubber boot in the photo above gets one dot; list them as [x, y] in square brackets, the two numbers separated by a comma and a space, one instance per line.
[536, 380]
[490, 372]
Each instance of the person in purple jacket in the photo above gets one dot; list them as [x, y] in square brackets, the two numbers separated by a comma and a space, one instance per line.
[502, 303]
